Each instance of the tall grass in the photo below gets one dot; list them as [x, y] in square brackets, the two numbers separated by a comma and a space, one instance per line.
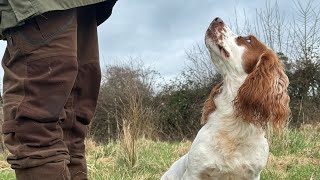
[294, 155]
[134, 118]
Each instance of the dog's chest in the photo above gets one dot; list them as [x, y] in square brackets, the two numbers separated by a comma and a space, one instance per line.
[230, 158]
[243, 172]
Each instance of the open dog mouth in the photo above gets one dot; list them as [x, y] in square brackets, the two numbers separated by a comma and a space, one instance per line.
[215, 36]
[223, 51]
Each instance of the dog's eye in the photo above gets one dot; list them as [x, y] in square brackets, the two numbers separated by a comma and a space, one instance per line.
[248, 39]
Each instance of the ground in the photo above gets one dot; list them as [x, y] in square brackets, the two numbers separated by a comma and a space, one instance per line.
[294, 155]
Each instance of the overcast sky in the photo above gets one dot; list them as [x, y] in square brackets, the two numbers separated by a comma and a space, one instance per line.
[160, 31]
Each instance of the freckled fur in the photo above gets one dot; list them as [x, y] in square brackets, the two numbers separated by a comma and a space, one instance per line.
[209, 106]
[232, 145]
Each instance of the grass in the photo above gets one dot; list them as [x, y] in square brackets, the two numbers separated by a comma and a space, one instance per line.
[294, 155]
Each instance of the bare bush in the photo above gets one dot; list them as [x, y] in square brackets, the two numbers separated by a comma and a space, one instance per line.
[200, 69]
[305, 74]
[181, 101]
[125, 106]
[128, 106]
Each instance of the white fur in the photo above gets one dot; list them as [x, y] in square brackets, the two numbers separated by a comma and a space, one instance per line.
[226, 147]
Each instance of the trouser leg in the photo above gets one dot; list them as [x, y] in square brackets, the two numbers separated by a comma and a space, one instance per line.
[40, 68]
[83, 98]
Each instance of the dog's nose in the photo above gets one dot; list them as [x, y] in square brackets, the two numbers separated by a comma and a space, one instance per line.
[217, 20]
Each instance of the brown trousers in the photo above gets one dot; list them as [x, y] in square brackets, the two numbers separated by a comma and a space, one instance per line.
[51, 84]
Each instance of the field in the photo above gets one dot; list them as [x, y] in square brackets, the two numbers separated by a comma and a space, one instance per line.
[295, 155]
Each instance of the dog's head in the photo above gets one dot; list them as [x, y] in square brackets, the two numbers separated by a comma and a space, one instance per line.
[230, 52]
[262, 96]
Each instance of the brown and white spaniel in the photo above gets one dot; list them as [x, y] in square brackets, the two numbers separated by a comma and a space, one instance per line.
[232, 144]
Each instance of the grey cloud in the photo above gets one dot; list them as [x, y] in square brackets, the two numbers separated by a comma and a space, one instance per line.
[159, 31]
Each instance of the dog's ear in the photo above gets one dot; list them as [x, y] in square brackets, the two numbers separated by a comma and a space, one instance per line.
[209, 105]
[263, 97]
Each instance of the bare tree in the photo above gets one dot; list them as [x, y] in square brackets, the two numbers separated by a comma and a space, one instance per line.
[306, 32]
[200, 68]
[305, 78]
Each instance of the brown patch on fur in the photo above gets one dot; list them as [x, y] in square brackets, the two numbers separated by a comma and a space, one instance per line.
[254, 49]
[209, 105]
[263, 96]
[215, 30]
[206, 175]
[227, 145]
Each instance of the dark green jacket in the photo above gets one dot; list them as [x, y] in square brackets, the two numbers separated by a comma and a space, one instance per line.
[14, 12]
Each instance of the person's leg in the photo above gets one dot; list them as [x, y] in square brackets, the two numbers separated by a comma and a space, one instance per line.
[40, 68]
[82, 101]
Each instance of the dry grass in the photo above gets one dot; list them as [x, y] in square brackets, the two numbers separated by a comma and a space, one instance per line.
[294, 155]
